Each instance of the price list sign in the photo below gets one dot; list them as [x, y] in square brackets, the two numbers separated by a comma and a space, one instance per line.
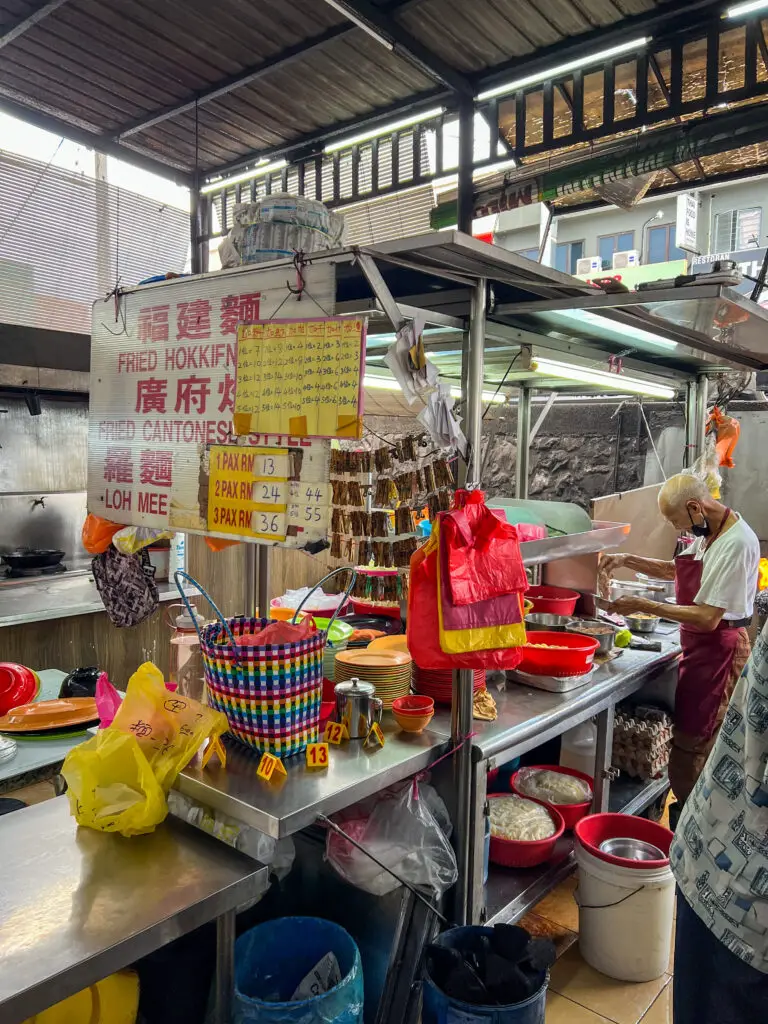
[272, 495]
[300, 377]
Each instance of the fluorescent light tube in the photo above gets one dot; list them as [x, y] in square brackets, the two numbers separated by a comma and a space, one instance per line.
[747, 8]
[601, 378]
[561, 69]
[390, 384]
[374, 133]
[255, 172]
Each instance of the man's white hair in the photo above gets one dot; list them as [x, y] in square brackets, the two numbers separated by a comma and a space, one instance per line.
[680, 489]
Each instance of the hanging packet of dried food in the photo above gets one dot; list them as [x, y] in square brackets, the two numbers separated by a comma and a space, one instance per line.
[382, 460]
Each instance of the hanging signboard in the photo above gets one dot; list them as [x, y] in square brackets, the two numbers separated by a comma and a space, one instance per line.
[163, 383]
[687, 222]
[300, 377]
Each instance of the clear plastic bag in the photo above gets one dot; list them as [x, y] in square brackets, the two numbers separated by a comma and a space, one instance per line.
[399, 828]
[552, 787]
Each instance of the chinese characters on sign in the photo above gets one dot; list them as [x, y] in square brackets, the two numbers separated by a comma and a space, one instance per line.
[269, 494]
[300, 377]
[164, 373]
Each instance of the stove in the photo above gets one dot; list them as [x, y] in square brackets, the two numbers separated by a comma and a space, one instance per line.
[30, 574]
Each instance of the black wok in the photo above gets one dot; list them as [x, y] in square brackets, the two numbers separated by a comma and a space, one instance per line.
[29, 558]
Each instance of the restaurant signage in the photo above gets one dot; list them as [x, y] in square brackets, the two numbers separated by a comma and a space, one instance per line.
[163, 384]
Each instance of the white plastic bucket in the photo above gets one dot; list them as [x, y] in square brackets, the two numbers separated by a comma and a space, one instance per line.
[625, 917]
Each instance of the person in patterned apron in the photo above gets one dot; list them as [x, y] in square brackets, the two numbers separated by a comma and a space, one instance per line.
[715, 586]
[719, 858]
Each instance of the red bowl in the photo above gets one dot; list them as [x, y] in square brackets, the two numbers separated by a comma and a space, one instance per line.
[596, 828]
[18, 685]
[413, 704]
[577, 660]
[570, 813]
[519, 853]
[389, 611]
[556, 600]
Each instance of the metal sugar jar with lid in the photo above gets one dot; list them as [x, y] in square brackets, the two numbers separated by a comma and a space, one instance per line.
[357, 707]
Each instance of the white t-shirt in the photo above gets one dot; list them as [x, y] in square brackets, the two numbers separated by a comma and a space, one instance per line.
[729, 574]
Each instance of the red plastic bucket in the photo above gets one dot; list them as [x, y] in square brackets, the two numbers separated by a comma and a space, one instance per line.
[555, 600]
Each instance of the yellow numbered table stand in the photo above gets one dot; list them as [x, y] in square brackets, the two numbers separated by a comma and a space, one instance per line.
[335, 732]
[375, 737]
[317, 756]
[271, 767]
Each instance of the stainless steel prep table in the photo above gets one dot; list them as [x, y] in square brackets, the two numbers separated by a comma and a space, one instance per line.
[282, 807]
[60, 597]
[78, 905]
[527, 718]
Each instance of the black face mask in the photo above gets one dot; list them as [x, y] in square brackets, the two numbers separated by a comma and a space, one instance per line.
[699, 529]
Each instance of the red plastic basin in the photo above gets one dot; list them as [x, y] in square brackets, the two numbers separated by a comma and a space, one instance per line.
[518, 853]
[575, 660]
[596, 828]
[570, 813]
[556, 600]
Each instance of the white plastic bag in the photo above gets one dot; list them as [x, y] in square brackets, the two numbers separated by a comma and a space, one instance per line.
[399, 828]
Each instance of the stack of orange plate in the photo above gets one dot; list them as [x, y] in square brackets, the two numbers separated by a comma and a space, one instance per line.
[389, 671]
[49, 715]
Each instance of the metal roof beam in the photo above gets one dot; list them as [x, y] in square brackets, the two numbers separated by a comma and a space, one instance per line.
[19, 27]
[238, 81]
[42, 119]
[398, 40]
[245, 77]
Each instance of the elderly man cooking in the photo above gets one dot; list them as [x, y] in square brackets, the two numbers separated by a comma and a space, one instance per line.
[715, 585]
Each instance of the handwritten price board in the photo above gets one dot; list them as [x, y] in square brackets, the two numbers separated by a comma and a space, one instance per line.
[300, 377]
[269, 494]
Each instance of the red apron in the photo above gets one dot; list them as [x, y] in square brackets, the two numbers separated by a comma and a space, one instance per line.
[705, 667]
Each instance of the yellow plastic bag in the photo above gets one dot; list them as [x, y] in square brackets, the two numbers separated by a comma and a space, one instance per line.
[111, 786]
[118, 780]
[114, 1000]
[170, 728]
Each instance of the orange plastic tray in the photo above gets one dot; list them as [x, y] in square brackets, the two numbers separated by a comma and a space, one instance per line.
[50, 714]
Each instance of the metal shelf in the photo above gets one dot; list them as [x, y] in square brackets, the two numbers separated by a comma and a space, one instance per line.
[511, 892]
[602, 537]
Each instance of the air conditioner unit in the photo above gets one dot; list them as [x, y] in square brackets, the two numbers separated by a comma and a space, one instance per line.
[622, 260]
[589, 265]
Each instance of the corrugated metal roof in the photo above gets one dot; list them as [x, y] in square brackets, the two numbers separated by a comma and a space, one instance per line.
[105, 66]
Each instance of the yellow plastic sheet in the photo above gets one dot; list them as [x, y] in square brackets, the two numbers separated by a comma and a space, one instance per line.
[114, 1000]
[118, 780]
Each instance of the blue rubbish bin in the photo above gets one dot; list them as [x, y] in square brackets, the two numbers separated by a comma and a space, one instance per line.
[272, 959]
[442, 1009]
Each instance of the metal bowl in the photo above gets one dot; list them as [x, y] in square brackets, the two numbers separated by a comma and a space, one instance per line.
[661, 588]
[643, 625]
[605, 640]
[632, 849]
[547, 620]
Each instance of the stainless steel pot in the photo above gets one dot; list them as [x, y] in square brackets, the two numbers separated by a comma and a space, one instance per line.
[547, 620]
[358, 707]
[640, 624]
[660, 589]
[605, 640]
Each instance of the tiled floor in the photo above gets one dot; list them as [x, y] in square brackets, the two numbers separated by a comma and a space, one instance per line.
[578, 994]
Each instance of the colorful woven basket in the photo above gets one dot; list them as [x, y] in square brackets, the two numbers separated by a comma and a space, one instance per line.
[271, 695]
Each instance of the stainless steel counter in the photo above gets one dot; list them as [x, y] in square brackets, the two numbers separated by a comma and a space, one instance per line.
[526, 718]
[58, 598]
[281, 808]
[529, 717]
[78, 905]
